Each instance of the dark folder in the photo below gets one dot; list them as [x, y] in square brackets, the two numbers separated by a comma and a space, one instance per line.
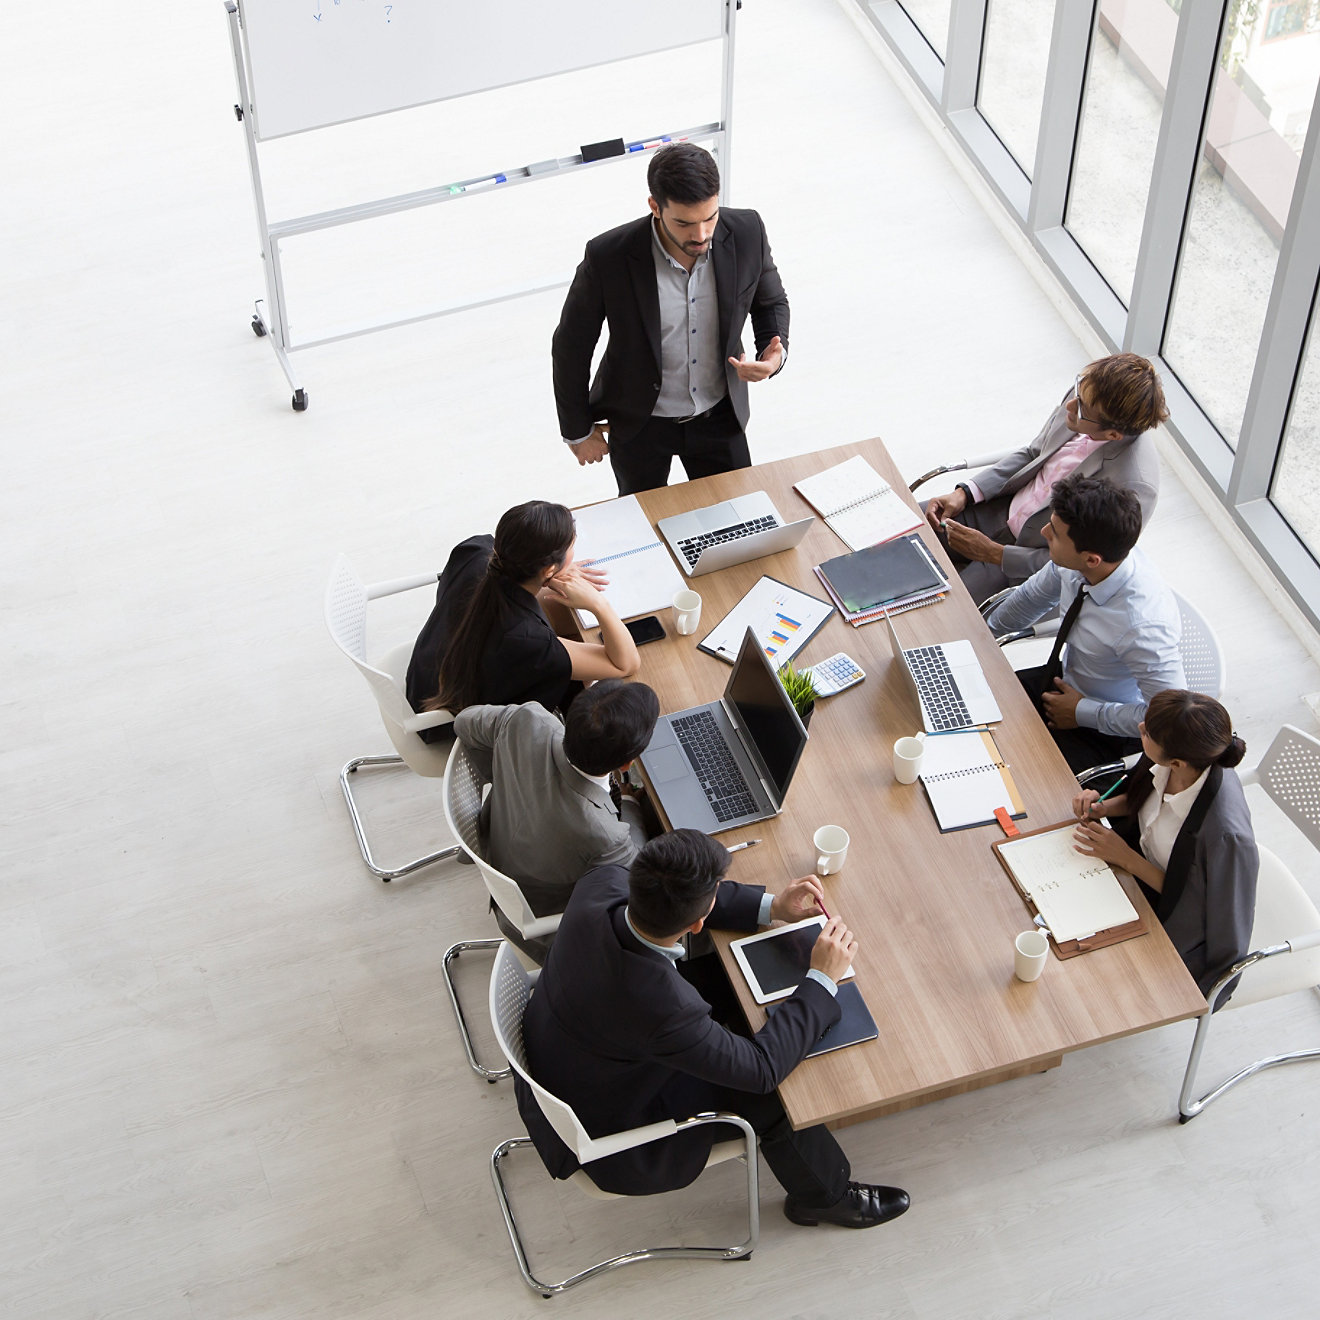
[854, 1027]
[880, 574]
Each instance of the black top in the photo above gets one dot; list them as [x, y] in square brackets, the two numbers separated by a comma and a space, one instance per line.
[523, 660]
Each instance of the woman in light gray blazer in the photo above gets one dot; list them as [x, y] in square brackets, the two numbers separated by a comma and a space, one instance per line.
[1182, 827]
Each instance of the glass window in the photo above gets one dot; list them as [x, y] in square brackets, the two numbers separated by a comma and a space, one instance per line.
[1259, 109]
[1014, 54]
[1126, 75]
[1296, 486]
[932, 20]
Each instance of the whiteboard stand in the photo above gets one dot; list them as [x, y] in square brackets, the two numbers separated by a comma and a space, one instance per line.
[270, 318]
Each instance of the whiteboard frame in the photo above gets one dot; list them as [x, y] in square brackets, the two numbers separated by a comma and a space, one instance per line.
[271, 320]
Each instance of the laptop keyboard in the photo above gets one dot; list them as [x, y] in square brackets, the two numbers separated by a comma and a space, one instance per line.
[726, 790]
[939, 693]
[694, 545]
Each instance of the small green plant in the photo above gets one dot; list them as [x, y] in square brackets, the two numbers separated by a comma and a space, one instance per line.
[801, 690]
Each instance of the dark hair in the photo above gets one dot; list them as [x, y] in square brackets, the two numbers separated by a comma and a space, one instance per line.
[528, 539]
[1102, 518]
[609, 724]
[1192, 727]
[682, 172]
[672, 881]
[1126, 392]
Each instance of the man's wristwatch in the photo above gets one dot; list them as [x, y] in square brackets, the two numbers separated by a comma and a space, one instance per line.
[967, 493]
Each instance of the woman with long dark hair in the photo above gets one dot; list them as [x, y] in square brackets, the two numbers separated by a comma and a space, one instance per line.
[488, 640]
[1182, 827]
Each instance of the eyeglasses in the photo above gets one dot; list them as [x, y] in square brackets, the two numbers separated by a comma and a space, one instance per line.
[1081, 415]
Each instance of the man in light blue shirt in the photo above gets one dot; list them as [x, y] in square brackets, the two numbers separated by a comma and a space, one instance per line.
[1118, 642]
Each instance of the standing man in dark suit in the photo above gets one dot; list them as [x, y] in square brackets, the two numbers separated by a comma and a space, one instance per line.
[619, 1029]
[676, 288]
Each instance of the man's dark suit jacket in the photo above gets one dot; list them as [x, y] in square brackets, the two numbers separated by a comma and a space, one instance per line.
[616, 284]
[614, 1029]
[1208, 901]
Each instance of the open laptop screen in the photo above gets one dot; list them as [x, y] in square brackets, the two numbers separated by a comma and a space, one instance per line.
[766, 713]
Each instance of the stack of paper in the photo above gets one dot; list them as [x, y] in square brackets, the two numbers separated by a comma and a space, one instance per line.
[917, 561]
[860, 507]
[616, 537]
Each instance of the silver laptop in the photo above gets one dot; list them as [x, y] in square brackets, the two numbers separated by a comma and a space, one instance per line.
[729, 762]
[734, 532]
[950, 686]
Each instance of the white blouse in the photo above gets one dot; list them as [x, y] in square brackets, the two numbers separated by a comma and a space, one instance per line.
[1161, 816]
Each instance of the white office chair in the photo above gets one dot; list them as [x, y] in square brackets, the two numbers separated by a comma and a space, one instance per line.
[1286, 920]
[462, 796]
[961, 465]
[346, 600]
[510, 988]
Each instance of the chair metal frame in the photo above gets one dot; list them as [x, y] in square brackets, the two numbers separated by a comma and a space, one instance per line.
[346, 598]
[510, 989]
[462, 796]
[962, 465]
[1289, 774]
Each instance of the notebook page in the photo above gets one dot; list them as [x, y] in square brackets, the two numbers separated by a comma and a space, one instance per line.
[962, 780]
[1077, 895]
[837, 487]
[619, 539]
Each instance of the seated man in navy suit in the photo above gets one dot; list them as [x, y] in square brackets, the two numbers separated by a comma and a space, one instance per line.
[617, 1028]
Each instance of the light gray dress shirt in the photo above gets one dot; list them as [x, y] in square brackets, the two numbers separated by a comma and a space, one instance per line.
[1122, 649]
[692, 368]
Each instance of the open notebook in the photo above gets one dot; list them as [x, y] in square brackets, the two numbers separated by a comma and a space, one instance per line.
[617, 537]
[858, 504]
[1078, 897]
[966, 780]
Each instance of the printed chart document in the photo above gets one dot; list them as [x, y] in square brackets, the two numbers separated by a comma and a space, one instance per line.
[966, 779]
[1078, 896]
[781, 618]
[617, 537]
[858, 504]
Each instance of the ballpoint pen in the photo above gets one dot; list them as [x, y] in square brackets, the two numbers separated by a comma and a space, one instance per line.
[746, 843]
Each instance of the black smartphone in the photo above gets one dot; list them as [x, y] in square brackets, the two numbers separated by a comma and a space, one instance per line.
[649, 629]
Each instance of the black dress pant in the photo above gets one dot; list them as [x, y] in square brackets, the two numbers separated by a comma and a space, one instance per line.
[711, 443]
[810, 1164]
[1081, 748]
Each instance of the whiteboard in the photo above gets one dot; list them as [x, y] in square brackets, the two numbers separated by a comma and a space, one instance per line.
[318, 62]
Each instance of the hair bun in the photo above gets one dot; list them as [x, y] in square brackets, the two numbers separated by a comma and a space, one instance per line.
[1232, 754]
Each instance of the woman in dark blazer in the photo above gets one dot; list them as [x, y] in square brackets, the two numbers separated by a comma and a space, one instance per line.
[1182, 828]
[488, 640]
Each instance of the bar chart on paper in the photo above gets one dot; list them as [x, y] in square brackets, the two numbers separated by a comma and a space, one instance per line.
[782, 619]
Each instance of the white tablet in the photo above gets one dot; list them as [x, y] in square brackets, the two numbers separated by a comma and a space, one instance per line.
[774, 961]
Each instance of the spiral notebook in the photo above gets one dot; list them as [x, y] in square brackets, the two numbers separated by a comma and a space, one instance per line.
[617, 537]
[858, 504]
[966, 780]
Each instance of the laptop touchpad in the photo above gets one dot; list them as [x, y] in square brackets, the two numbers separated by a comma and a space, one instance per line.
[715, 517]
[666, 763]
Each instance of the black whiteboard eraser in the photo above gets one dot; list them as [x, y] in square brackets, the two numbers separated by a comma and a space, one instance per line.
[603, 150]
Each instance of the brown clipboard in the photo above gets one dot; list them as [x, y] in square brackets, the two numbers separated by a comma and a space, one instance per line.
[1102, 938]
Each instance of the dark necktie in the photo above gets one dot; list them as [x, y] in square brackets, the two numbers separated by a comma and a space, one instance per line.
[1054, 665]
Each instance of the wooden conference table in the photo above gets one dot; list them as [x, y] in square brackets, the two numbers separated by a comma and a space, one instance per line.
[934, 914]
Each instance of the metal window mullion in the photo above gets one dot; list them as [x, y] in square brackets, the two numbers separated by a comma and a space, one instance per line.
[1060, 113]
[962, 61]
[1177, 150]
[1283, 339]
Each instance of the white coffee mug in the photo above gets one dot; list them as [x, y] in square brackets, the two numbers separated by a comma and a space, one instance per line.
[1030, 950]
[687, 612]
[907, 758]
[831, 849]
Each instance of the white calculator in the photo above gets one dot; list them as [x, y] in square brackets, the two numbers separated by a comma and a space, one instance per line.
[833, 675]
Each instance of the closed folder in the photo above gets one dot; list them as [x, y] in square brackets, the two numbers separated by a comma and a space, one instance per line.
[879, 574]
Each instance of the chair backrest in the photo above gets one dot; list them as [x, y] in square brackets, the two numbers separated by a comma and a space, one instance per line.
[1283, 912]
[510, 989]
[1290, 773]
[346, 600]
[1202, 656]
[462, 796]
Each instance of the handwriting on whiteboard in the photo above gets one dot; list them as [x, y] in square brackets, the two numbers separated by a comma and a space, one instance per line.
[320, 13]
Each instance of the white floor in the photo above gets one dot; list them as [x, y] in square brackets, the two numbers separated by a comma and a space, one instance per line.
[232, 1084]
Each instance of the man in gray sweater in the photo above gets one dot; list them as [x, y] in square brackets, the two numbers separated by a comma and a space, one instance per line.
[551, 817]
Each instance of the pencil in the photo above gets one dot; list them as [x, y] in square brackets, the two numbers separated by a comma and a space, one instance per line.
[1107, 793]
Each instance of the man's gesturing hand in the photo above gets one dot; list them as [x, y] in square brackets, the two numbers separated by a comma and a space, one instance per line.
[765, 366]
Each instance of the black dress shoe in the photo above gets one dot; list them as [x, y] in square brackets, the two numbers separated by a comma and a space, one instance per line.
[863, 1205]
